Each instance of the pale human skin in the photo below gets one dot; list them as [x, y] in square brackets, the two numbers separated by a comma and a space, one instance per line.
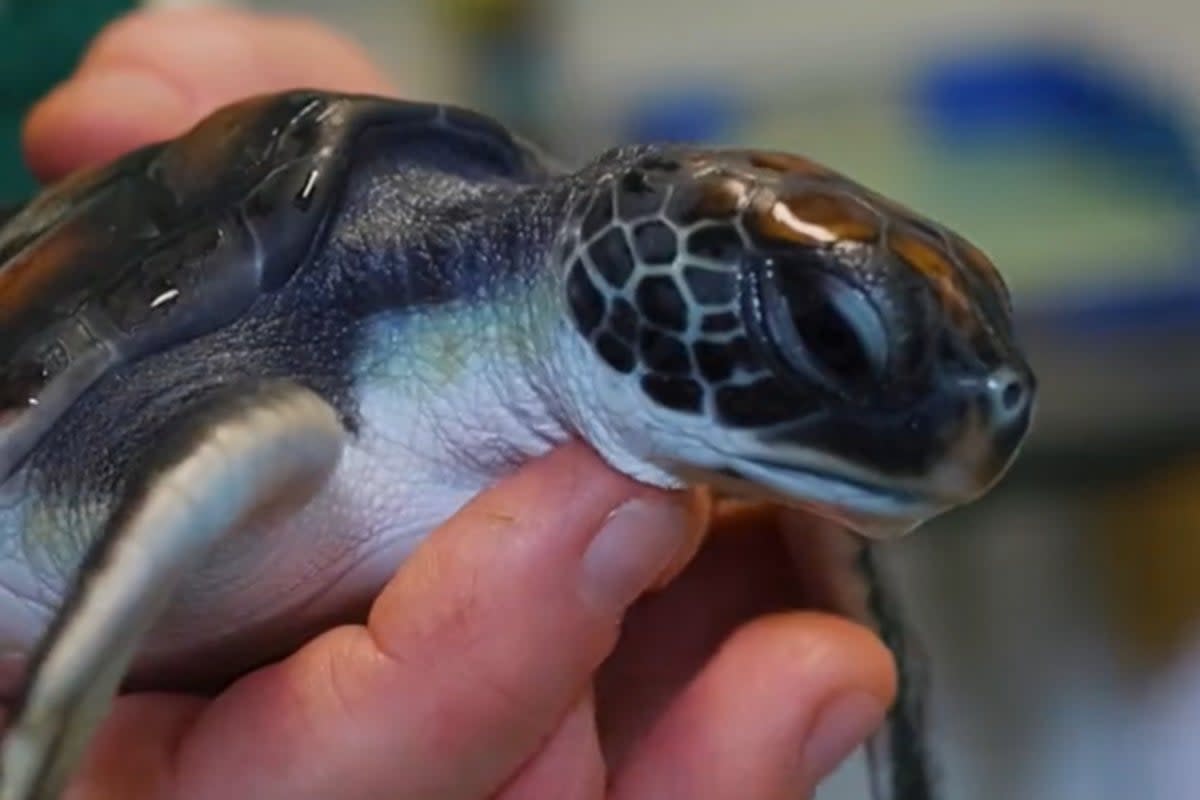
[518, 653]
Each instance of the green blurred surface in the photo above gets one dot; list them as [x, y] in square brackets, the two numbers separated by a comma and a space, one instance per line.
[40, 43]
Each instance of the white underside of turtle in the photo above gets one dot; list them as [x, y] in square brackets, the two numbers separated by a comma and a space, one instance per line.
[431, 426]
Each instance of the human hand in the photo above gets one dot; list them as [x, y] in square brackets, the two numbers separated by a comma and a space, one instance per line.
[151, 75]
[510, 656]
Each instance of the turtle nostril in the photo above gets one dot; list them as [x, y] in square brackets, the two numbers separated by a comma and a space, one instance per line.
[1011, 396]
[1008, 399]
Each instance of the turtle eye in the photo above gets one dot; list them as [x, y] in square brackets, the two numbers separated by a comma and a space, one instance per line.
[823, 327]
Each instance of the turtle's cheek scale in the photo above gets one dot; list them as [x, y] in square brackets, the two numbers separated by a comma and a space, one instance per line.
[659, 301]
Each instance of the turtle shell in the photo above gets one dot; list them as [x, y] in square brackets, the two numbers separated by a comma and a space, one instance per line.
[178, 239]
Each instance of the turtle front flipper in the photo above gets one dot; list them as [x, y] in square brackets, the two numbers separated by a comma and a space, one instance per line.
[898, 754]
[10, 210]
[245, 453]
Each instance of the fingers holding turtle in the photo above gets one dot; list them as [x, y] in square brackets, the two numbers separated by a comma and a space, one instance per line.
[150, 75]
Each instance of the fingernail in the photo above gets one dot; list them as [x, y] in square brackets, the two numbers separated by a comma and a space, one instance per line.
[841, 727]
[633, 547]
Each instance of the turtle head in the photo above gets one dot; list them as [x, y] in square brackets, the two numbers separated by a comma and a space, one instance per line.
[770, 327]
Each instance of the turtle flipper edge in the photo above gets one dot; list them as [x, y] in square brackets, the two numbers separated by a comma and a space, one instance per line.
[249, 451]
[898, 757]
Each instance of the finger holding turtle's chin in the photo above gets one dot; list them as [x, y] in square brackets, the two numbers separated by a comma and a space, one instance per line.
[153, 74]
[819, 554]
[758, 560]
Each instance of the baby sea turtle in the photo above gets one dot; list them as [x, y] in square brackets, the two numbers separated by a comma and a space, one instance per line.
[354, 313]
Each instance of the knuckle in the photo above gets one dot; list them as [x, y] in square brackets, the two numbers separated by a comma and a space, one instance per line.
[303, 28]
[127, 30]
[346, 52]
[302, 25]
[149, 37]
[446, 612]
[449, 629]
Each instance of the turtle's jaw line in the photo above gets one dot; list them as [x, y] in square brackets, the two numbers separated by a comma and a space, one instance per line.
[872, 510]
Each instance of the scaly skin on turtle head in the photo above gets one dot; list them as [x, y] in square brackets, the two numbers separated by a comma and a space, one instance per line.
[772, 328]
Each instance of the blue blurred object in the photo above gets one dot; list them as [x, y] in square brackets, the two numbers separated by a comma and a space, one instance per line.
[1055, 94]
[1155, 307]
[701, 115]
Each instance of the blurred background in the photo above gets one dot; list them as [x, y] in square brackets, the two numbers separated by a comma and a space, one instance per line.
[1062, 614]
